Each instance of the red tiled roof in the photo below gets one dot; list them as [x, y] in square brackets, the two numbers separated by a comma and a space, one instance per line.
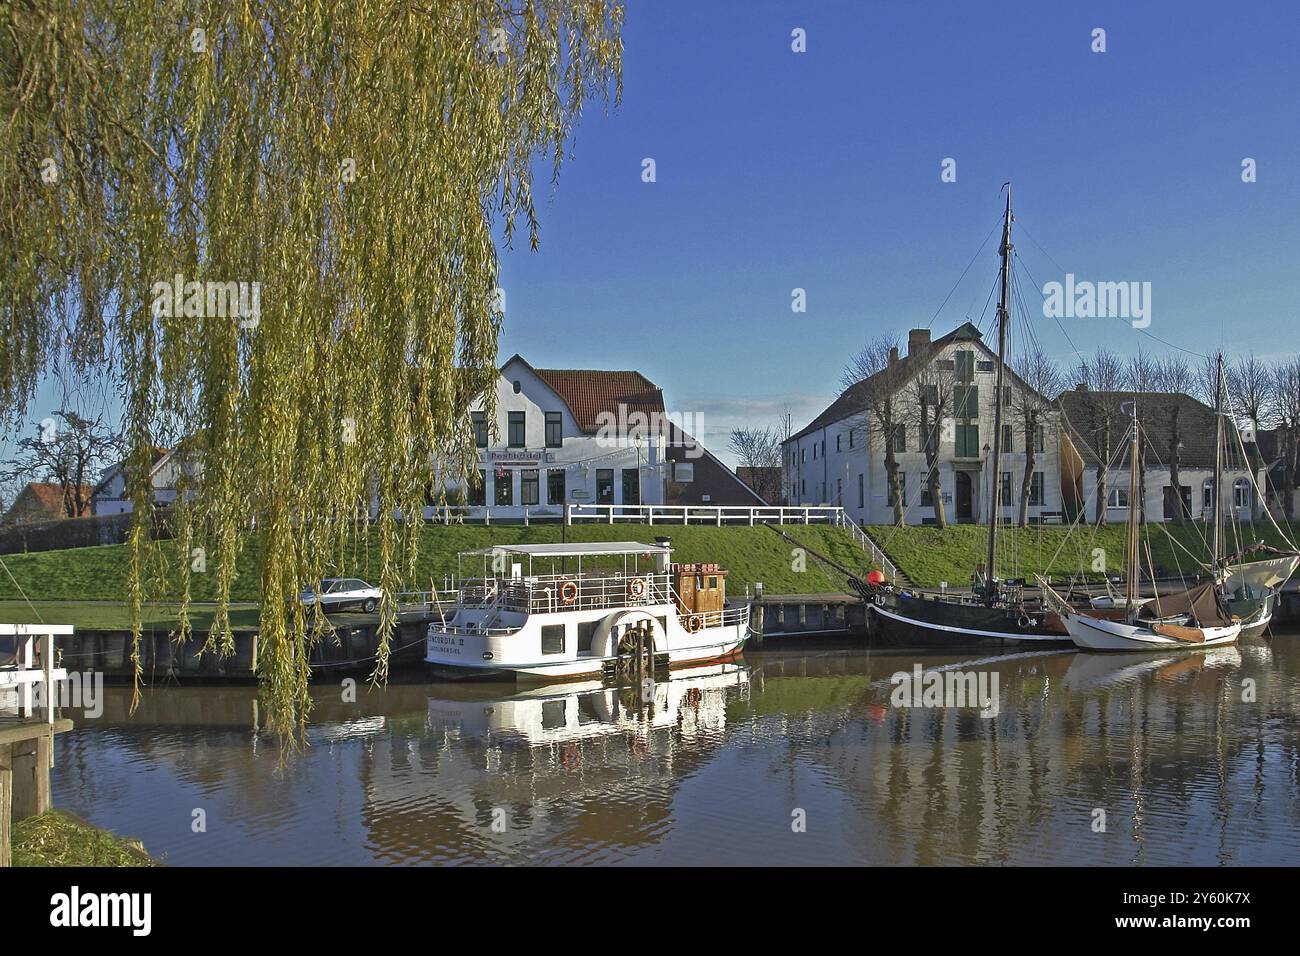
[45, 498]
[588, 392]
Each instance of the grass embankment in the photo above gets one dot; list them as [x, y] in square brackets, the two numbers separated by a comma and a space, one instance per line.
[929, 555]
[751, 554]
[58, 838]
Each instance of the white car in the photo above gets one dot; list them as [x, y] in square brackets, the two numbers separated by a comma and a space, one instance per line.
[338, 593]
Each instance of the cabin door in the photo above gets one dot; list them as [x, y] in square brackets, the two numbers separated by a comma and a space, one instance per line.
[963, 496]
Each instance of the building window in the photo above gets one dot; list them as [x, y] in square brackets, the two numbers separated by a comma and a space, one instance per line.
[1036, 488]
[1241, 493]
[967, 441]
[1117, 498]
[900, 438]
[968, 402]
[684, 471]
[1040, 440]
[476, 494]
[839, 491]
[945, 365]
[931, 395]
[1006, 439]
[604, 486]
[480, 429]
[1004, 491]
[803, 487]
[503, 484]
[528, 487]
[862, 496]
[984, 365]
[515, 436]
[803, 455]
[1006, 396]
[552, 638]
[850, 437]
[965, 364]
[1207, 495]
[554, 430]
[815, 451]
[927, 499]
[838, 439]
[555, 486]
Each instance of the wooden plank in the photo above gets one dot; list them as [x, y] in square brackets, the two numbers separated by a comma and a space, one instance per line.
[16, 731]
[6, 822]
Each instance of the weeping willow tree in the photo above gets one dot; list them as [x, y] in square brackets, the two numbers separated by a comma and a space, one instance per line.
[272, 226]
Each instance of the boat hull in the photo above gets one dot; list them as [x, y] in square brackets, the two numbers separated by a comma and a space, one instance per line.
[1096, 634]
[904, 621]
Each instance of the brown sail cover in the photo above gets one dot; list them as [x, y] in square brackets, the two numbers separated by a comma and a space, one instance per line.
[1202, 602]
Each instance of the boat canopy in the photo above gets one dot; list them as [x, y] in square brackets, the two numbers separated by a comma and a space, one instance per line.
[1202, 602]
[576, 549]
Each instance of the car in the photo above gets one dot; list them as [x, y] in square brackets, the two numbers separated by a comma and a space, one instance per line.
[338, 593]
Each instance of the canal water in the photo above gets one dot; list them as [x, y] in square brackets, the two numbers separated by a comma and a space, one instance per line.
[795, 756]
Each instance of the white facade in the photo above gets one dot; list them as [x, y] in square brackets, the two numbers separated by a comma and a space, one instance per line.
[110, 495]
[1240, 501]
[841, 464]
[526, 468]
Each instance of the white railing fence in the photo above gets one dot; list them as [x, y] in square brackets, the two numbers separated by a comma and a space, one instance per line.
[27, 661]
[702, 514]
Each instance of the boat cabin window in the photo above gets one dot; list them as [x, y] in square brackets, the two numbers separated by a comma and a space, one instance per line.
[553, 639]
[585, 631]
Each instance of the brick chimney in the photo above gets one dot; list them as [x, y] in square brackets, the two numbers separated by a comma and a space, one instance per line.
[917, 340]
[1081, 387]
[893, 355]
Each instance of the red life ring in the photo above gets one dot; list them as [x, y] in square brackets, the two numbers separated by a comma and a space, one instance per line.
[568, 592]
[694, 623]
[636, 588]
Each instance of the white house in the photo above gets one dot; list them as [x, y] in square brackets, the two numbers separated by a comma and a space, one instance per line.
[839, 457]
[586, 436]
[109, 496]
[1167, 420]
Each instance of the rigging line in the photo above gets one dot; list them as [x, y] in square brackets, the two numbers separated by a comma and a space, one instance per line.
[1150, 335]
[1056, 318]
[963, 275]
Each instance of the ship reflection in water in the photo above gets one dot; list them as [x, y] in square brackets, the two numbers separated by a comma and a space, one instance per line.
[784, 757]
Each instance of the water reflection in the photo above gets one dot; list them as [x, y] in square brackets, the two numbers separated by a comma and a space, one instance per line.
[1192, 758]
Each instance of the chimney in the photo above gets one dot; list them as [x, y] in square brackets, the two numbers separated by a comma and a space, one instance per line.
[917, 340]
[893, 355]
[1081, 387]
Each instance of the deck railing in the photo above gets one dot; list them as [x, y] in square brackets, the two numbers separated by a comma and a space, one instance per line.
[544, 593]
[27, 661]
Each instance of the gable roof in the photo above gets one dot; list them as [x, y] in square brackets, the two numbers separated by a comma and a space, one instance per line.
[159, 453]
[43, 498]
[1196, 429]
[589, 392]
[852, 400]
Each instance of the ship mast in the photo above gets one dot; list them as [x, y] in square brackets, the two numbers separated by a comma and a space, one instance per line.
[1218, 458]
[995, 482]
[1134, 564]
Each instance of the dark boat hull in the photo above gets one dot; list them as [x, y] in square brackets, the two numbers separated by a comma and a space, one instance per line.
[901, 620]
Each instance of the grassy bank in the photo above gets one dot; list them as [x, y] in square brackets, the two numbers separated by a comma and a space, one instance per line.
[59, 838]
[751, 554]
[930, 555]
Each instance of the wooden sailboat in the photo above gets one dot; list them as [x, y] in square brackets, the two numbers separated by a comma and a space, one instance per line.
[995, 614]
[1187, 620]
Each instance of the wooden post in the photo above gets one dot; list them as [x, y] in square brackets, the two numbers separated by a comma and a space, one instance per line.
[6, 805]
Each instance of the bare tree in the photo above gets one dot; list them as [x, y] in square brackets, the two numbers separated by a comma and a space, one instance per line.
[758, 451]
[1286, 409]
[1042, 379]
[1103, 372]
[874, 376]
[932, 396]
[69, 450]
[1141, 377]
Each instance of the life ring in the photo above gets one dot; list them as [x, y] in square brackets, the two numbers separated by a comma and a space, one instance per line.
[636, 588]
[568, 592]
[1025, 621]
[694, 623]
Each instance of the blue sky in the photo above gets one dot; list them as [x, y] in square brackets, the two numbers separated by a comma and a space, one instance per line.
[821, 170]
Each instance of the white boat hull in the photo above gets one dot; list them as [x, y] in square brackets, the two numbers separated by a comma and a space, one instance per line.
[519, 650]
[1095, 634]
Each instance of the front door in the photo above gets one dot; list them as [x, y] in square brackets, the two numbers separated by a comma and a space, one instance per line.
[963, 496]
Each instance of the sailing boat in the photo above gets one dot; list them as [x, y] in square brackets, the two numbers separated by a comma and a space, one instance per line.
[996, 613]
[1187, 620]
